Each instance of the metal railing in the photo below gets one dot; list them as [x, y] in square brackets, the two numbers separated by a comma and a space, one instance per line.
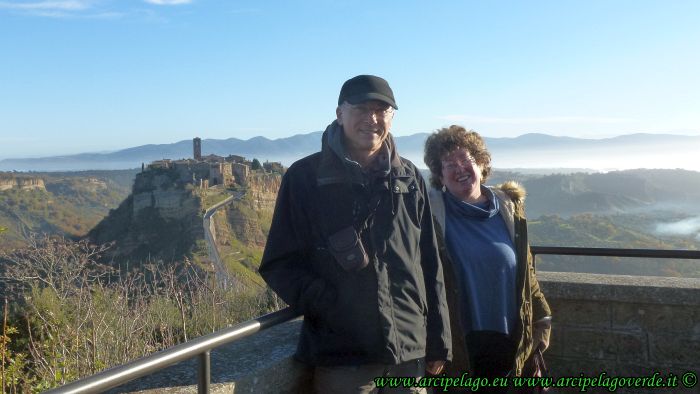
[198, 347]
[613, 252]
[201, 347]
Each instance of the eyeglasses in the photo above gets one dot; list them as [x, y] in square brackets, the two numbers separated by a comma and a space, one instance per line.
[364, 110]
[462, 162]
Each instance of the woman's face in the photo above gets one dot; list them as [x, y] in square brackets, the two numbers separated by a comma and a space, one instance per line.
[461, 175]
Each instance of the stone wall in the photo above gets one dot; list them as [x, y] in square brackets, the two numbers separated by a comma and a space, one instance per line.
[622, 325]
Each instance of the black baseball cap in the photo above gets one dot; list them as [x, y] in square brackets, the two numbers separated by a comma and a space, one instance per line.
[366, 87]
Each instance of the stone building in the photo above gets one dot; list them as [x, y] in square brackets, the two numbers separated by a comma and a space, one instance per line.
[236, 159]
[241, 172]
[165, 163]
[191, 171]
[213, 158]
[273, 166]
[221, 174]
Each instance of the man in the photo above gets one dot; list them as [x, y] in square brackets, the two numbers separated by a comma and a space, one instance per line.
[352, 248]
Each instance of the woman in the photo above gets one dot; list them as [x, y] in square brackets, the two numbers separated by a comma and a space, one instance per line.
[499, 315]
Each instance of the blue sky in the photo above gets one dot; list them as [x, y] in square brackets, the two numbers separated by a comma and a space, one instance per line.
[98, 75]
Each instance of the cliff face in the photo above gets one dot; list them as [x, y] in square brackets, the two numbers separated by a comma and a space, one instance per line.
[263, 189]
[170, 204]
[95, 184]
[164, 192]
[250, 218]
[24, 183]
[163, 218]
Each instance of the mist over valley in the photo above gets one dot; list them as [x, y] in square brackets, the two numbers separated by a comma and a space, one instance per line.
[526, 152]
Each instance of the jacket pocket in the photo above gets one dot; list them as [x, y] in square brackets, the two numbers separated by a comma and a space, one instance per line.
[407, 201]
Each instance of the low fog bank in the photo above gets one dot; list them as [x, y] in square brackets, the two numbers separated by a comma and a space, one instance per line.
[564, 162]
[685, 227]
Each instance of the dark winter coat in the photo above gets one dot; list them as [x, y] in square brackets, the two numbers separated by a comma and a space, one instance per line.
[391, 311]
[532, 305]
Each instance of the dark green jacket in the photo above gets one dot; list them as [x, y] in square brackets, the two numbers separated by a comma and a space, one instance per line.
[531, 301]
[393, 310]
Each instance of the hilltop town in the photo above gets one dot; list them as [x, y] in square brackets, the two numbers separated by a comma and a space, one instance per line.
[213, 170]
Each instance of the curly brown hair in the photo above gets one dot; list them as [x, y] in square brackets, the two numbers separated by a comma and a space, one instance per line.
[445, 141]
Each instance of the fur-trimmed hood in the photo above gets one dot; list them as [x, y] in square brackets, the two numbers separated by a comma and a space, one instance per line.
[512, 194]
[514, 190]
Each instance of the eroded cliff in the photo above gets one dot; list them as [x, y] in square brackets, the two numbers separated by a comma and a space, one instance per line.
[163, 219]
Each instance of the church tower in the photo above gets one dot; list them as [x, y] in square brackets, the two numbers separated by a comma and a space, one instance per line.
[197, 145]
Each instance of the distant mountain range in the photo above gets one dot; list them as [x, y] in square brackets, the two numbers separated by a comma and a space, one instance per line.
[526, 151]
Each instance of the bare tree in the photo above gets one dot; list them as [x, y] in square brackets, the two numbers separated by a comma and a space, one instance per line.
[83, 316]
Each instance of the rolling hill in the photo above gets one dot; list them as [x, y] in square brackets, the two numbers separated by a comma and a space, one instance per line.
[526, 151]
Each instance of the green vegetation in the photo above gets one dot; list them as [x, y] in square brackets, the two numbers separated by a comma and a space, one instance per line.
[619, 231]
[242, 261]
[241, 234]
[211, 197]
[76, 313]
[70, 205]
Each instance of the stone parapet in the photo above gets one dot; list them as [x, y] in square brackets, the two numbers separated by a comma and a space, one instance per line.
[622, 325]
[621, 288]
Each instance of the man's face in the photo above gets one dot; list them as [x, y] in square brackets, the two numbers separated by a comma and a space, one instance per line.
[461, 175]
[365, 125]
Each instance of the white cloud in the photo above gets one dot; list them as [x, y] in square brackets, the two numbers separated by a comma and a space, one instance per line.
[168, 2]
[547, 119]
[73, 5]
[91, 9]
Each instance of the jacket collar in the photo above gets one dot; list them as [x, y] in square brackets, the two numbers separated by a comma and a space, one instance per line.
[336, 167]
[505, 207]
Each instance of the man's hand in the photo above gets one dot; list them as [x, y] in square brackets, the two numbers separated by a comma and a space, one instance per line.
[435, 367]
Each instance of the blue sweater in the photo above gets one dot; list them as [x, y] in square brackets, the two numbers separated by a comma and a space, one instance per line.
[478, 241]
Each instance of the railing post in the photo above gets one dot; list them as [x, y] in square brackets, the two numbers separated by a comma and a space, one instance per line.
[204, 373]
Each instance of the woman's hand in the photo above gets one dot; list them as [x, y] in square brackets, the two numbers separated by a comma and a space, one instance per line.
[540, 333]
